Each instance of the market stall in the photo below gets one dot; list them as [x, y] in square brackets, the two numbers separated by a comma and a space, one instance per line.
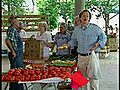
[39, 75]
[40, 71]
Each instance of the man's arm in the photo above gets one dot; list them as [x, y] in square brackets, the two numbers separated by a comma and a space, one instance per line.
[102, 39]
[9, 45]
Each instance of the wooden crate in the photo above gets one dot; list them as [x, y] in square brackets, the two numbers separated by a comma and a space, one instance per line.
[113, 44]
[104, 53]
[28, 20]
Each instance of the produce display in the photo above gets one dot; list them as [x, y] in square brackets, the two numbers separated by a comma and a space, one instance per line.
[63, 63]
[58, 66]
[28, 74]
[63, 58]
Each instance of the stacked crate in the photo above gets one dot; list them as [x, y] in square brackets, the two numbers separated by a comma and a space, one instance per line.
[113, 44]
[104, 52]
[33, 49]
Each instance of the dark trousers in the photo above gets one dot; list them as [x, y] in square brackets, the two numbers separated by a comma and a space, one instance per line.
[16, 86]
[13, 64]
[16, 62]
[12, 60]
[19, 62]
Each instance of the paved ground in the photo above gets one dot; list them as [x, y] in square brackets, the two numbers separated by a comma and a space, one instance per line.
[110, 70]
[109, 66]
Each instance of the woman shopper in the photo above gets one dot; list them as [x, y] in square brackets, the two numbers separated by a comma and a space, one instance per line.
[45, 36]
[60, 38]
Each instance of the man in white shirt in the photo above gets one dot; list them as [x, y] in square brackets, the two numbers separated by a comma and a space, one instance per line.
[22, 31]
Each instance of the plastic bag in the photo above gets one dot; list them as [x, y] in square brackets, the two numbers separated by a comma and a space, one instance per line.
[93, 69]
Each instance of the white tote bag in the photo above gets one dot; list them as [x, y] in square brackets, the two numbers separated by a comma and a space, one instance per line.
[93, 69]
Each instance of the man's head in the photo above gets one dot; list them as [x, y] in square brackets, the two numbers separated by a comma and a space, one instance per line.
[77, 20]
[13, 20]
[69, 23]
[85, 16]
[62, 27]
[20, 25]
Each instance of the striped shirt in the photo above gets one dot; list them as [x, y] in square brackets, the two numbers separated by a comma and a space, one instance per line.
[86, 37]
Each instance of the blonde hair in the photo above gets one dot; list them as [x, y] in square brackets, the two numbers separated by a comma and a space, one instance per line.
[44, 24]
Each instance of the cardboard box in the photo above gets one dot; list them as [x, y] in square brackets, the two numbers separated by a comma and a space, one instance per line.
[34, 49]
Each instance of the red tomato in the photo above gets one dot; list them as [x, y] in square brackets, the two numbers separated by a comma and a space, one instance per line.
[57, 69]
[44, 71]
[27, 78]
[37, 71]
[31, 72]
[17, 79]
[20, 75]
[8, 78]
[38, 77]
[56, 75]
[53, 73]
[50, 76]
[52, 67]
[20, 69]
[12, 78]
[69, 69]
[22, 78]
[11, 71]
[63, 69]
[43, 77]
[4, 77]
[32, 78]
[17, 72]
[25, 72]
[46, 74]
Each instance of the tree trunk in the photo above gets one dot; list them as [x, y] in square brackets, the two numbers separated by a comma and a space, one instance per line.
[106, 23]
[107, 27]
[9, 9]
[79, 6]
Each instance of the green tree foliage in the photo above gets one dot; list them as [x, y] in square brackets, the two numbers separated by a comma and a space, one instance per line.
[56, 8]
[67, 10]
[104, 8]
[49, 7]
[14, 7]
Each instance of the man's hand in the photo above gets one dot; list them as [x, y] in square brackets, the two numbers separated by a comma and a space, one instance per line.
[9, 45]
[64, 46]
[67, 45]
[51, 45]
[14, 54]
[94, 47]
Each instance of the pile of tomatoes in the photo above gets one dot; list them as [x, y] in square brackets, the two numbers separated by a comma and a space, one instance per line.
[27, 74]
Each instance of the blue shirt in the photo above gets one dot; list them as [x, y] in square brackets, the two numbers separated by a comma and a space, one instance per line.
[86, 37]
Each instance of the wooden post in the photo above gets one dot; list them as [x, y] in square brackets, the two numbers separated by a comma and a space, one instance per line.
[79, 6]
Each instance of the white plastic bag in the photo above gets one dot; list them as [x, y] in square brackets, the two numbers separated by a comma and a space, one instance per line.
[93, 69]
